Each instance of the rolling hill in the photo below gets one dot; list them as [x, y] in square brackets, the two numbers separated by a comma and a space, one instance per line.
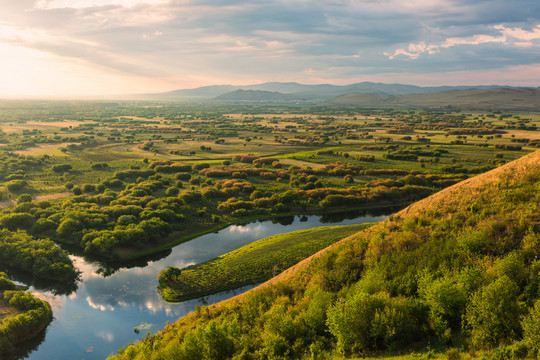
[456, 274]
[253, 96]
[476, 99]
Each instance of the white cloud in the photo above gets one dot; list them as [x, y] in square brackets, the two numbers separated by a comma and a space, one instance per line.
[106, 336]
[100, 307]
[518, 33]
[508, 36]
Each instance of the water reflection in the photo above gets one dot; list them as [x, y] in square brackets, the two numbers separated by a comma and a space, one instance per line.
[284, 220]
[26, 278]
[24, 349]
[112, 301]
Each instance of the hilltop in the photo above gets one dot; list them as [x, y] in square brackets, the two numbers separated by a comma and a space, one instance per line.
[456, 272]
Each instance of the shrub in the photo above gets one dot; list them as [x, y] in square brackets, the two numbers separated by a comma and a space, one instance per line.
[446, 300]
[531, 329]
[88, 188]
[494, 313]
[364, 322]
[16, 185]
[24, 198]
[183, 176]
[172, 191]
[61, 168]
[17, 221]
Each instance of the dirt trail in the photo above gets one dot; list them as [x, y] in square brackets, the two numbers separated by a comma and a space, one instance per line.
[12, 202]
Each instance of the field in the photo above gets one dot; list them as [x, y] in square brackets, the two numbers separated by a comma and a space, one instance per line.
[123, 180]
[251, 264]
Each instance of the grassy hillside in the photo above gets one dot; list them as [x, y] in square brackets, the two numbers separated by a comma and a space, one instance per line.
[456, 273]
[477, 99]
[251, 264]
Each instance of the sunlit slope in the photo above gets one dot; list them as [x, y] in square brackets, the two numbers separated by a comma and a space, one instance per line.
[456, 270]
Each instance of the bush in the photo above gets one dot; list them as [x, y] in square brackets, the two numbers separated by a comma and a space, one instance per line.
[531, 329]
[364, 322]
[17, 221]
[16, 185]
[23, 198]
[446, 299]
[183, 176]
[61, 168]
[494, 314]
[172, 191]
[88, 188]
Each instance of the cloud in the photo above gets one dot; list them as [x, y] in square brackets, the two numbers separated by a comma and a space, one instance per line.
[514, 37]
[171, 44]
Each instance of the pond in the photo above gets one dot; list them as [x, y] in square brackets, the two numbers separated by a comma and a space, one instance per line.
[113, 306]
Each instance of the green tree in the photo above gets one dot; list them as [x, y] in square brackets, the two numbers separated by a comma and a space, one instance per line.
[24, 198]
[531, 329]
[494, 314]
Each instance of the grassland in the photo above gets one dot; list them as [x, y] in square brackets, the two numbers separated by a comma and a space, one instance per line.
[251, 264]
[122, 180]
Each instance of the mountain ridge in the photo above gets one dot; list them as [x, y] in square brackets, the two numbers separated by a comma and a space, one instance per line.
[305, 91]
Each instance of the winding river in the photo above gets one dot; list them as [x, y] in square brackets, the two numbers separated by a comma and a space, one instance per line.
[112, 307]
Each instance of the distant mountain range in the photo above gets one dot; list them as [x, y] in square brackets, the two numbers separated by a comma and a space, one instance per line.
[294, 90]
[363, 94]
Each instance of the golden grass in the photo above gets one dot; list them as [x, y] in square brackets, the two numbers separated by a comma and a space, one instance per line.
[49, 149]
[301, 163]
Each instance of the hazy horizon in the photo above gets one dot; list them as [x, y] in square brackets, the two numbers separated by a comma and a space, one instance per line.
[107, 48]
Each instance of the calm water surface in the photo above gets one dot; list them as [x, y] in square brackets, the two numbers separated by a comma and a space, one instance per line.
[109, 304]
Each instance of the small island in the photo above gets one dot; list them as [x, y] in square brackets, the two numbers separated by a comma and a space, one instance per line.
[251, 264]
[22, 315]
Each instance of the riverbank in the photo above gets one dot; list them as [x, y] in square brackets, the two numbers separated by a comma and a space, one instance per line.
[177, 238]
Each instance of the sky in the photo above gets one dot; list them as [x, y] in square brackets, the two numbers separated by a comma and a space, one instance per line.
[77, 48]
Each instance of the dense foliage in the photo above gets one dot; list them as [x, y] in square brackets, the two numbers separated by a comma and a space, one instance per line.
[138, 208]
[459, 269]
[30, 317]
[40, 257]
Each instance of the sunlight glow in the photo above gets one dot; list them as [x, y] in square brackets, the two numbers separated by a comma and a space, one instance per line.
[82, 4]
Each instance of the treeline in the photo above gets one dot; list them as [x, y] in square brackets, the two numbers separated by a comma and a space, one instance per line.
[32, 316]
[139, 207]
[40, 257]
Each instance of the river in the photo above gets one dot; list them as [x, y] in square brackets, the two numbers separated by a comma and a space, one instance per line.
[115, 306]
